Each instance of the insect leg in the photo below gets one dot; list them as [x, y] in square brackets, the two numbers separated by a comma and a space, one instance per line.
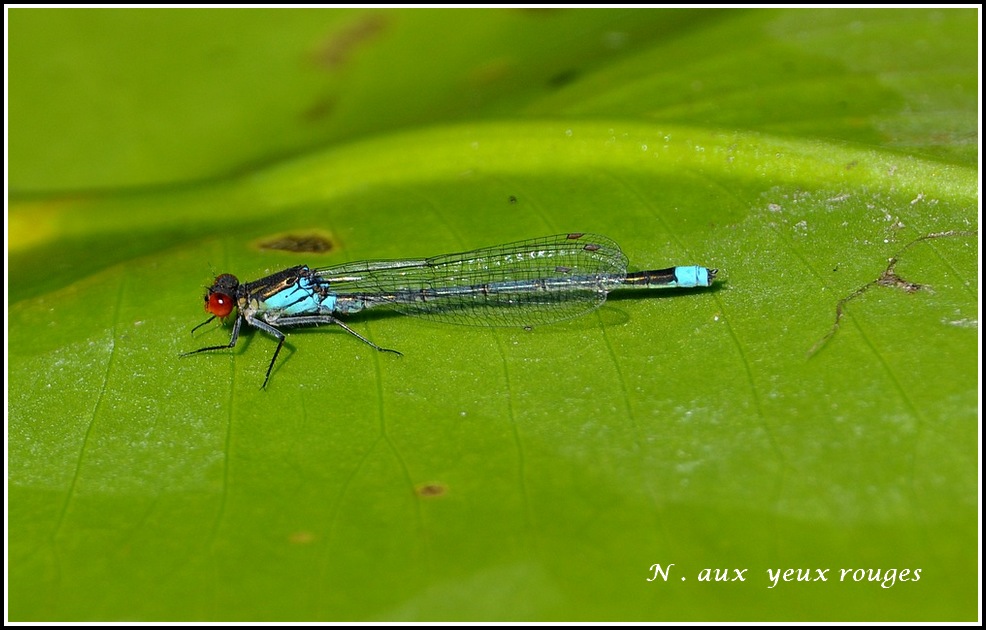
[273, 332]
[232, 339]
[301, 320]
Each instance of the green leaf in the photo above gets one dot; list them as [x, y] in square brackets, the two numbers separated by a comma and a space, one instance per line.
[496, 474]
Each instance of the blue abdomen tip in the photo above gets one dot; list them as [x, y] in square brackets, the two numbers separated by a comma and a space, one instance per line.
[693, 276]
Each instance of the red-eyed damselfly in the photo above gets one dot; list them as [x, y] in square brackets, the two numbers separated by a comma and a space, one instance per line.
[527, 283]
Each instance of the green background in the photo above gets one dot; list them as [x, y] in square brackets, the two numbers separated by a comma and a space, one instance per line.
[494, 474]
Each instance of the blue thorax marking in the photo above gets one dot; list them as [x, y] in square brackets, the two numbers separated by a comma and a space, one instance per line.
[304, 297]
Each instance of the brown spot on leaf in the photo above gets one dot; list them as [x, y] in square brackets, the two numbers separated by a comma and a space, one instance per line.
[319, 110]
[431, 490]
[335, 50]
[298, 242]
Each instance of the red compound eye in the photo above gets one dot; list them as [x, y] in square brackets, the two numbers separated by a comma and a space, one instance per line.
[220, 304]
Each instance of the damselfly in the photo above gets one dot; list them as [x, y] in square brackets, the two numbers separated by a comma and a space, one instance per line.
[527, 283]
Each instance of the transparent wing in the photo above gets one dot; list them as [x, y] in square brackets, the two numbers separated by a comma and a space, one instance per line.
[526, 283]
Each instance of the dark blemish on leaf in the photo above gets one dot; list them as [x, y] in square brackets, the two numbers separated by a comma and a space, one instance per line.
[335, 50]
[851, 165]
[888, 278]
[563, 78]
[513, 199]
[298, 242]
[319, 110]
[430, 490]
